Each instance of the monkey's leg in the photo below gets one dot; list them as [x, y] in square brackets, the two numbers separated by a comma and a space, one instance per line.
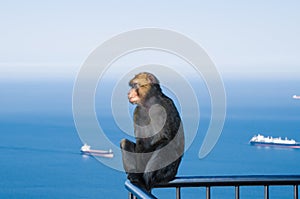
[130, 162]
[128, 155]
[156, 172]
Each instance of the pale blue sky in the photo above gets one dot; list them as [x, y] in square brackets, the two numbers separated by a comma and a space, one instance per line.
[244, 38]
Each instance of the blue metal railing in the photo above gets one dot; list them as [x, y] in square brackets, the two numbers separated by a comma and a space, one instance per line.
[220, 181]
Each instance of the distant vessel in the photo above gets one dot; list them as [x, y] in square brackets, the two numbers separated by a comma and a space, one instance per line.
[86, 149]
[260, 140]
[296, 96]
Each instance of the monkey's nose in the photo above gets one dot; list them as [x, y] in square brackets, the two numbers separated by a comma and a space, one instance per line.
[131, 93]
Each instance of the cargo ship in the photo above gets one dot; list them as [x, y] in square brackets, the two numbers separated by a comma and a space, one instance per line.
[86, 149]
[260, 140]
[296, 96]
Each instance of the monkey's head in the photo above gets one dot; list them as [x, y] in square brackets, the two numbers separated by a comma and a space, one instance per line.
[142, 86]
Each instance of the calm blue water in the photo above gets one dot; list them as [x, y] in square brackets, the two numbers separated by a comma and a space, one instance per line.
[39, 144]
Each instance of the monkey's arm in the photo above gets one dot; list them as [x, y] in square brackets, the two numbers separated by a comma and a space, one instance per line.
[166, 134]
[166, 121]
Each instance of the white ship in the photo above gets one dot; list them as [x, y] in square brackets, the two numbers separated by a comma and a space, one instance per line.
[276, 142]
[296, 96]
[86, 149]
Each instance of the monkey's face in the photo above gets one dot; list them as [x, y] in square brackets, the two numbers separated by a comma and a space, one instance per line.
[140, 85]
[133, 96]
[138, 91]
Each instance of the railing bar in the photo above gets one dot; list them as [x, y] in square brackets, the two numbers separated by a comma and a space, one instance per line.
[217, 181]
[208, 192]
[266, 192]
[237, 192]
[295, 191]
[178, 193]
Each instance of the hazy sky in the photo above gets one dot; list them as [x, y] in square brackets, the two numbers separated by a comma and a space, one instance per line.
[53, 38]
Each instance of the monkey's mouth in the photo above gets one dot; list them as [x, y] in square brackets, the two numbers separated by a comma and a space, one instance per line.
[133, 100]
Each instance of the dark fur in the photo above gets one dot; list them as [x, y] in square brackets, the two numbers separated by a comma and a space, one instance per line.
[152, 95]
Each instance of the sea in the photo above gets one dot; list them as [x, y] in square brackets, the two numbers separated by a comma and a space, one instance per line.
[40, 145]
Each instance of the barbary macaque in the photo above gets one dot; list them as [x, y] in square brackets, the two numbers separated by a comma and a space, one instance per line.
[155, 156]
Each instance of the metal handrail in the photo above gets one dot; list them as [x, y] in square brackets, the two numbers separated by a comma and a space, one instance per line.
[137, 192]
[214, 181]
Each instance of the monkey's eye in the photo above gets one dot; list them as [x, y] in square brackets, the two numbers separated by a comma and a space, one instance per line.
[134, 85]
[137, 85]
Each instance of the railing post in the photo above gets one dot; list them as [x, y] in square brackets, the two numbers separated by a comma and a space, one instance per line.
[208, 192]
[237, 192]
[295, 191]
[266, 192]
[130, 195]
[178, 193]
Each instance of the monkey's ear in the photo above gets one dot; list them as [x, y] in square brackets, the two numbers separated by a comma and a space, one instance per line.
[152, 79]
